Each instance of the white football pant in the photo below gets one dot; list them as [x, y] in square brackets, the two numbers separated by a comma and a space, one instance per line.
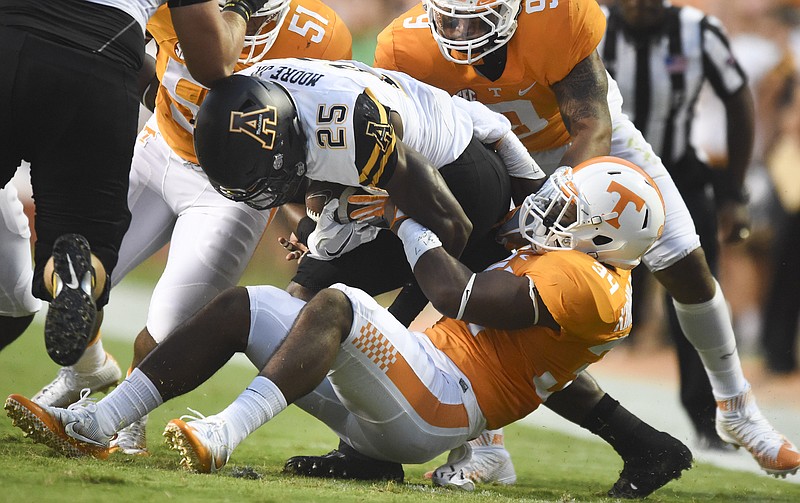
[391, 394]
[211, 238]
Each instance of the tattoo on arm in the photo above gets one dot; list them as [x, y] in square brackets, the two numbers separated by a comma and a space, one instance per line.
[583, 93]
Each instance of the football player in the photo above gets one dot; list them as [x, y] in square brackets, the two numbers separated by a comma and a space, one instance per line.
[535, 62]
[76, 62]
[171, 200]
[294, 122]
[511, 336]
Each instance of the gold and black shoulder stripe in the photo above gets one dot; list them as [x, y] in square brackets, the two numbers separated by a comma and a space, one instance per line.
[376, 140]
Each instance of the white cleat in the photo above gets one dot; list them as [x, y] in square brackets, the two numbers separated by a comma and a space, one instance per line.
[132, 439]
[203, 442]
[740, 422]
[469, 464]
[67, 386]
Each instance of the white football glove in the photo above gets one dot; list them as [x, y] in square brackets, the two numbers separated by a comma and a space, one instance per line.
[331, 239]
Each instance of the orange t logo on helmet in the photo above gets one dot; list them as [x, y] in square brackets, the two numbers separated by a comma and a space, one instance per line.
[626, 196]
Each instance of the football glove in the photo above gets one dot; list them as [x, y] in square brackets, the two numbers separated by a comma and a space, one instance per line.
[375, 210]
[332, 239]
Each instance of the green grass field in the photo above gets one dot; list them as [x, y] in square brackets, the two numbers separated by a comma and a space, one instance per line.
[550, 466]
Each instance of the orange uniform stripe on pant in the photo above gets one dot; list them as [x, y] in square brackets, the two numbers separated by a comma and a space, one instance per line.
[378, 349]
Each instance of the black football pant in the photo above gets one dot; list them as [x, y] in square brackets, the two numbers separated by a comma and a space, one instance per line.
[72, 115]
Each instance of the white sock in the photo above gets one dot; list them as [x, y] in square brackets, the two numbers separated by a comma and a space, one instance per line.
[92, 359]
[135, 397]
[489, 438]
[260, 402]
[708, 327]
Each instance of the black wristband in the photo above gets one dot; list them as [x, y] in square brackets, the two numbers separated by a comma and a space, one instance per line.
[182, 3]
[239, 7]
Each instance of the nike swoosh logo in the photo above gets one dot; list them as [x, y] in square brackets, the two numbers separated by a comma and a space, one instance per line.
[69, 428]
[72, 283]
[725, 357]
[339, 250]
[525, 91]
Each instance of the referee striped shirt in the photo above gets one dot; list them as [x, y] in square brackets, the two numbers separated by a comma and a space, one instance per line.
[660, 74]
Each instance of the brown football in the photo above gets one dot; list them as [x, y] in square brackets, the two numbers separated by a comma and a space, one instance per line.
[320, 193]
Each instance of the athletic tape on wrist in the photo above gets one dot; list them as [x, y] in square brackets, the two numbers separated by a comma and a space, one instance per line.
[465, 296]
[417, 240]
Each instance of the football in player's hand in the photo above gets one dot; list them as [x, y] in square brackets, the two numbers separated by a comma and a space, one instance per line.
[319, 194]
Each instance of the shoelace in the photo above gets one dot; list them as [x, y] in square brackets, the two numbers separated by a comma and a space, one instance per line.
[62, 376]
[84, 402]
[214, 425]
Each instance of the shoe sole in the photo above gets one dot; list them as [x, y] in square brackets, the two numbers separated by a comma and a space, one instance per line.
[660, 474]
[72, 314]
[330, 466]
[194, 455]
[43, 429]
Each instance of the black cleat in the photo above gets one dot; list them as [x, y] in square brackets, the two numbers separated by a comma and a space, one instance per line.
[344, 463]
[72, 314]
[712, 443]
[659, 464]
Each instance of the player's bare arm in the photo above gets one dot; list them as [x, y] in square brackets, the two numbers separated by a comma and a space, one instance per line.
[148, 82]
[419, 190]
[496, 298]
[583, 102]
[211, 41]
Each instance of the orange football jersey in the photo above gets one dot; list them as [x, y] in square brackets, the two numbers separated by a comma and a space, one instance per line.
[551, 38]
[310, 30]
[514, 371]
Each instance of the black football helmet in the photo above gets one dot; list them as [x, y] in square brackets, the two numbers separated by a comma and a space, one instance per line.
[249, 142]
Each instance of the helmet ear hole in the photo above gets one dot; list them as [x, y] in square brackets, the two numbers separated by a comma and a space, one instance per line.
[601, 240]
[646, 218]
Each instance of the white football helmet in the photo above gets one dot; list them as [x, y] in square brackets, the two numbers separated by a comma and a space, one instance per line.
[468, 30]
[605, 207]
[271, 15]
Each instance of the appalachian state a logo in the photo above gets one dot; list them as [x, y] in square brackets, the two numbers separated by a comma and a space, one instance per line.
[256, 124]
[382, 133]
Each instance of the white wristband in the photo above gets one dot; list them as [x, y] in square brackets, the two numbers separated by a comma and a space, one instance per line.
[465, 296]
[416, 239]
